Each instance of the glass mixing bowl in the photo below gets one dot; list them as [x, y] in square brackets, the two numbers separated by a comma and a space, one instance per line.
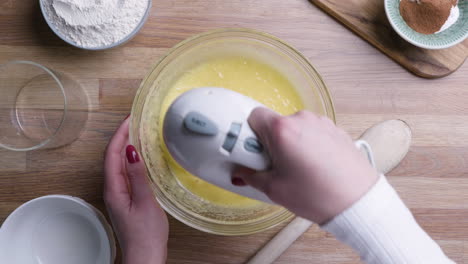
[145, 127]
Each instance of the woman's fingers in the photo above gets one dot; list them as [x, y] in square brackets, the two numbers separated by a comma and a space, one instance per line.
[238, 175]
[257, 179]
[120, 137]
[260, 120]
[260, 180]
[136, 173]
[114, 176]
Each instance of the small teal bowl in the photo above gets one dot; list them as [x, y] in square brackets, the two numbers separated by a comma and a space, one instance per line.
[455, 34]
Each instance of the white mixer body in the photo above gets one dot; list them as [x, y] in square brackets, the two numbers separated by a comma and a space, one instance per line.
[206, 131]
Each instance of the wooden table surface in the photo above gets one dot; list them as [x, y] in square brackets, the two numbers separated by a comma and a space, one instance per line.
[366, 86]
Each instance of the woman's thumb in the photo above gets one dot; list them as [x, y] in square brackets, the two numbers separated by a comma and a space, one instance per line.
[260, 120]
[136, 173]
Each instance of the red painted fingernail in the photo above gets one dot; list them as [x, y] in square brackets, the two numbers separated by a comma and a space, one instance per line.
[132, 155]
[238, 182]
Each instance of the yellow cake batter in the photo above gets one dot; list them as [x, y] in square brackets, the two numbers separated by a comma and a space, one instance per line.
[249, 77]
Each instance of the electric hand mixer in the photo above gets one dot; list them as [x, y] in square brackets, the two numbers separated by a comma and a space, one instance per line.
[206, 131]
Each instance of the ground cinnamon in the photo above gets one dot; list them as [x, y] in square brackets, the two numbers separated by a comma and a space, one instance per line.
[426, 16]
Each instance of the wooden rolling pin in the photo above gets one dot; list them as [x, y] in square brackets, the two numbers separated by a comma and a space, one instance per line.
[390, 142]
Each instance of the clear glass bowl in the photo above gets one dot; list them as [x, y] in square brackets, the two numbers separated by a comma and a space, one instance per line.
[39, 108]
[145, 131]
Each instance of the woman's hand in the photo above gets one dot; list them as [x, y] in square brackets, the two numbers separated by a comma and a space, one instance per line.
[317, 171]
[139, 222]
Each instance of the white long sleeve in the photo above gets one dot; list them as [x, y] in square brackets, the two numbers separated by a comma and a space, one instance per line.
[382, 230]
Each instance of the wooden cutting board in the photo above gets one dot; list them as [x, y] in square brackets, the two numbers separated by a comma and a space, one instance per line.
[367, 19]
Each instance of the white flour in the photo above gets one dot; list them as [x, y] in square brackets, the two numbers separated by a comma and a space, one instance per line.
[94, 23]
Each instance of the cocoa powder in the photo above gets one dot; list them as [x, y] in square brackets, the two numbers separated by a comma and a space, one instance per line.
[426, 16]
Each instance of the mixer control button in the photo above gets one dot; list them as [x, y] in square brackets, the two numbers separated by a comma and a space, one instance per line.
[198, 123]
[252, 145]
[231, 137]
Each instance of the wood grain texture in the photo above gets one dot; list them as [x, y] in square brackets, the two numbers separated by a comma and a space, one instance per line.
[366, 86]
[367, 18]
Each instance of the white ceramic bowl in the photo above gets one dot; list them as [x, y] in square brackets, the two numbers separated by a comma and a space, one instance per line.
[56, 229]
[113, 45]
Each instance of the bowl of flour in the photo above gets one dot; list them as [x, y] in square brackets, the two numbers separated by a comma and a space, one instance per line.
[95, 24]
